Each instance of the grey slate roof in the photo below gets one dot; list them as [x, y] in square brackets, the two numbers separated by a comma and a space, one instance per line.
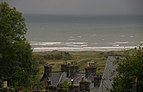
[55, 77]
[106, 82]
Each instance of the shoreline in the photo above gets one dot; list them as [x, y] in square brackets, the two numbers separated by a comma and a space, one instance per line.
[44, 46]
[104, 49]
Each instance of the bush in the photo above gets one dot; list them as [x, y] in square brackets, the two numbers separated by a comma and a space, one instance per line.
[58, 55]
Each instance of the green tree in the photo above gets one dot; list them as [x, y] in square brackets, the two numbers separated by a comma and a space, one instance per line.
[129, 77]
[58, 55]
[15, 52]
[64, 87]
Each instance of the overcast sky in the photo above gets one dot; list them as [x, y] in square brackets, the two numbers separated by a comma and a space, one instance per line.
[79, 7]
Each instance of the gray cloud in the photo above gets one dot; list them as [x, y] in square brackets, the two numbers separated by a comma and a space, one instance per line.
[83, 7]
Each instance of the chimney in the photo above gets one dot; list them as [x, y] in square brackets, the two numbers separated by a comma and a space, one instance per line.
[5, 84]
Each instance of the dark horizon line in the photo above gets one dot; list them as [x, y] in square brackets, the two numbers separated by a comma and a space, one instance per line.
[78, 15]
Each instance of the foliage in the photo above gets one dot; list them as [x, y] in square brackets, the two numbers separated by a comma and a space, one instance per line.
[15, 52]
[58, 55]
[81, 57]
[129, 75]
[64, 86]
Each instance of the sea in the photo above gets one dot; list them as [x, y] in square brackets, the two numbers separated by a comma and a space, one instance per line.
[83, 33]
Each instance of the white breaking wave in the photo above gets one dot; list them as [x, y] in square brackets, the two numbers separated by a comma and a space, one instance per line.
[76, 43]
[79, 36]
[116, 45]
[141, 41]
[43, 49]
[122, 35]
[131, 36]
[71, 39]
[121, 42]
[34, 43]
[45, 43]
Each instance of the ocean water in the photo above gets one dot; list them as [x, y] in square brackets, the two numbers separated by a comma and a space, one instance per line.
[84, 33]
